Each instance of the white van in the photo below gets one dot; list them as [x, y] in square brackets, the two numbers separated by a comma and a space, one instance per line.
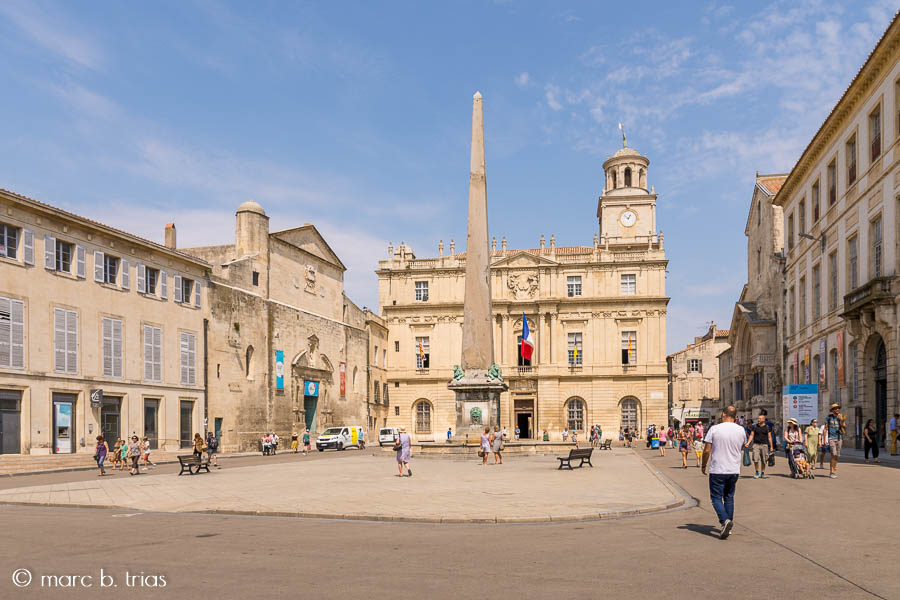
[340, 437]
[387, 435]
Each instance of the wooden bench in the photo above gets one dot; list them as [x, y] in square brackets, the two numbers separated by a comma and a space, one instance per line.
[574, 454]
[192, 464]
[606, 445]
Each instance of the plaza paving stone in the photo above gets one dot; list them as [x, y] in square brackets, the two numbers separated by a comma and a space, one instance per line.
[366, 486]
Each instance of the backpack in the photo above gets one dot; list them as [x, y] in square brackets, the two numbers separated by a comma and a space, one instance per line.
[213, 443]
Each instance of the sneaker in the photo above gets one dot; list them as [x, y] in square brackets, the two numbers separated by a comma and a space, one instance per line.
[756, 475]
[763, 476]
[833, 475]
[409, 472]
[726, 529]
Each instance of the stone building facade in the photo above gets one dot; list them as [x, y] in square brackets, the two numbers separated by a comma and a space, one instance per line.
[694, 378]
[840, 209]
[597, 313]
[750, 369]
[287, 348]
[100, 331]
[378, 403]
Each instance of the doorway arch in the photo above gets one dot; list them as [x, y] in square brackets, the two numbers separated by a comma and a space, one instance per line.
[630, 413]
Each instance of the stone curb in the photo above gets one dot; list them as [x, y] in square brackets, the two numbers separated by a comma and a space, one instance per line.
[94, 467]
[601, 516]
[686, 501]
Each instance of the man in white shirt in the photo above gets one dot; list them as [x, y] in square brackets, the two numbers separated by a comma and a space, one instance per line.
[722, 451]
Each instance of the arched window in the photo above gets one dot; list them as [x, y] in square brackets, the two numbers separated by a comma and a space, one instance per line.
[614, 182]
[575, 414]
[627, 176]
[248, 363]
[353, 380]
[422, 411]
[643, 181]
[629, 415]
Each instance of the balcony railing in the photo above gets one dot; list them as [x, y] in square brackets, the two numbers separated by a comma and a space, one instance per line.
[877, 288]
[524, 370]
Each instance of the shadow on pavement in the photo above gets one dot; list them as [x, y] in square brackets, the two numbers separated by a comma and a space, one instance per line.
[701, 529]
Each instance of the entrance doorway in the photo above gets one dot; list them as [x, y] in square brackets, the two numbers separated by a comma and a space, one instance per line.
[10, 422]
[63, 423]
[110, 419]
[880, 392]
[524, 410]
[309, 407]
[187, 424]
[151, 422]
[218, 429]
[630, 415]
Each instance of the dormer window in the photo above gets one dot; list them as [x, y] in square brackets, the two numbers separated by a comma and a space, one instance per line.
[627, 177]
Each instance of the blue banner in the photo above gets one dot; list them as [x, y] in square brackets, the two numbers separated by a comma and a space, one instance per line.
[279, 370]
[311, 388]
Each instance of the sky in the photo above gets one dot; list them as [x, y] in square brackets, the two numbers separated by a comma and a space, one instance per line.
[356, 117]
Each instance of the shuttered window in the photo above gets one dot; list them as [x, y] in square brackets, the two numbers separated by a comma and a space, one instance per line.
[152, 353]
[65, 341]
[188, 359]
[28, 246]
[79, 261]
[163, 285]
[12, 333]
[126, 274]
[112, 347]
[9, 240]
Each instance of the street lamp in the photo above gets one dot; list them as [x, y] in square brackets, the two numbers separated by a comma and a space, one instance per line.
[821, 239]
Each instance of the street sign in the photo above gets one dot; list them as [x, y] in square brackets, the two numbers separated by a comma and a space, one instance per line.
[96, 398]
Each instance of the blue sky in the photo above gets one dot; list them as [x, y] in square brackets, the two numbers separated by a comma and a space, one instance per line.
[355, 116]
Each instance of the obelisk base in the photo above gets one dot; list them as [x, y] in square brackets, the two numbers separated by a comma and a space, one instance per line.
[477, 402]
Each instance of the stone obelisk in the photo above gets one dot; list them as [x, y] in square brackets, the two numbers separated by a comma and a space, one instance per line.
[477, 382]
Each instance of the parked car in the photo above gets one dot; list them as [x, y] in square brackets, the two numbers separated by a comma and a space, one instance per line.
[339, 438]
[387, 435]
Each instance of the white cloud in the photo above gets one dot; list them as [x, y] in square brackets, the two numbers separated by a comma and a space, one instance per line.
[552, 93]
[523, 79]
[53, 35]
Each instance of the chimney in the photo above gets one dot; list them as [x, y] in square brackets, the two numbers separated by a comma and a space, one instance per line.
[170, 236]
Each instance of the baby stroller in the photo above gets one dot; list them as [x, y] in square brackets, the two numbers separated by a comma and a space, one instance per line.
[798, 459]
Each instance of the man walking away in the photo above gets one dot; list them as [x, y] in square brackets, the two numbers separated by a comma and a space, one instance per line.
[894, 433]
[212, 447]
[722, 452]
[834, 424]
[760, 444]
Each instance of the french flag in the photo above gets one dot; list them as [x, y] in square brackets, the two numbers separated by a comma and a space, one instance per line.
[527, 340]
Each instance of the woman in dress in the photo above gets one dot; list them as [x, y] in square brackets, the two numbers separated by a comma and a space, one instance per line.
[100, 453]
[134, 455]
[871, 440]
[485, 445]
[812, 442]
[683, 441]
[497, 446]
[403, 448]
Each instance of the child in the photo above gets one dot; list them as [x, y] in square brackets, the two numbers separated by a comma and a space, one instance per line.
[698, 450]
[124, 454]
[800, 461]
[565, 434]
[145, 446]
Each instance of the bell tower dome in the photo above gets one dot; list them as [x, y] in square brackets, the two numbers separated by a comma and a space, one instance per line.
[627, 208]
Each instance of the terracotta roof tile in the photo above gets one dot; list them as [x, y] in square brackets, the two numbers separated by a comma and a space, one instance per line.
[563, 250]
[772, 183]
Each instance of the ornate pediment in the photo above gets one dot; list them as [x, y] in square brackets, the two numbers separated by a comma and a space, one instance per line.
[522, 284]
[523, 259]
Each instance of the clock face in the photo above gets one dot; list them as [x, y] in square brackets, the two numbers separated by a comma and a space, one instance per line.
[628, 218]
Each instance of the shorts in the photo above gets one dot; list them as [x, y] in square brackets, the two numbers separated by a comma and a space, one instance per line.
[759, 452]
[835, 447]
[699, 453]
[146, 456]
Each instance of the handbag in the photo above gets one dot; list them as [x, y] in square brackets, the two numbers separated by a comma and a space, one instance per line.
[746, 457]
[481, 454]
[398, 444]
[771, 460]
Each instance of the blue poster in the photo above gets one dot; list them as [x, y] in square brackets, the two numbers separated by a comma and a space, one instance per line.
[279, 370]
[311, 388]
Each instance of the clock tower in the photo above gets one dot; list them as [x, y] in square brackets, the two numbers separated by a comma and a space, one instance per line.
[627, 208]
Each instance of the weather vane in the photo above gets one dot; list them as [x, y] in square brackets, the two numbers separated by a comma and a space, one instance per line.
[624, 139]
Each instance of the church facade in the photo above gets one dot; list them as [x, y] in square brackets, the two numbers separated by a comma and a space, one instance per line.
[597, 314]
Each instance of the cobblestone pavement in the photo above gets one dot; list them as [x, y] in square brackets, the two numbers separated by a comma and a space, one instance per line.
[366, 486]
